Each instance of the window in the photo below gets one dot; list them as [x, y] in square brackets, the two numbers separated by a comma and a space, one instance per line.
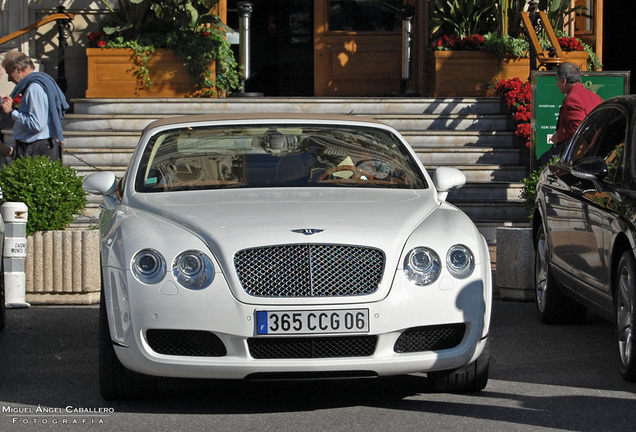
[587, 136]
[365, 15]
[612, 144]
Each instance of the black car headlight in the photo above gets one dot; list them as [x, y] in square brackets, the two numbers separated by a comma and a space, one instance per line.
[148, 266]
[193, 270]
[422, 266]
[460, 261]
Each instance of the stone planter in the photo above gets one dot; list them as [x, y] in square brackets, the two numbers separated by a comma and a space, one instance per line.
[515, 264]
[110, 75]
[62, 267]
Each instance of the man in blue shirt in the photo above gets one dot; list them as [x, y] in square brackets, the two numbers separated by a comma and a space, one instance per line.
[38, 117]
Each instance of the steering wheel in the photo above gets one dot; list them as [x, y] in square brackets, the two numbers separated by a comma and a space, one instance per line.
[357, 172]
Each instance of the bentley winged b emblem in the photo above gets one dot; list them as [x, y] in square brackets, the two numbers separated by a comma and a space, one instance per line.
[308, 231]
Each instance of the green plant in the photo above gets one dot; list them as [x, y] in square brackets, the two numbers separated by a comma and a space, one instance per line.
[52, 192]
[558, 9]
[462, 17]
[506, 45]
[508, 17]
[529, 191]
[185, 26]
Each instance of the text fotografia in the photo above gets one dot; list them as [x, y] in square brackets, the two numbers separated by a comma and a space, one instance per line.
[56, 415]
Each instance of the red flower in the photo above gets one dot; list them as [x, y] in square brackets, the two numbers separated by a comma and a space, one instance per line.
[517, 96]
[455, 42]
[96, 39]
[571, 44]
[16, 101]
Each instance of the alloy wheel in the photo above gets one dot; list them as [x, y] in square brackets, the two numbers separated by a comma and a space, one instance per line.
[541, 273]
[625, 312]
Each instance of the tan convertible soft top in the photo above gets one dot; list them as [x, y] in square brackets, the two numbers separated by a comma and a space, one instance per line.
[202, 118]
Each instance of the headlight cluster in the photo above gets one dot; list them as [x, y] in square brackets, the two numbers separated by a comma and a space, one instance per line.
[192, 269]
[422, 265]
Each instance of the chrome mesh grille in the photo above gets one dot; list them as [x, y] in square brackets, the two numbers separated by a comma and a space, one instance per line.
[309, 270]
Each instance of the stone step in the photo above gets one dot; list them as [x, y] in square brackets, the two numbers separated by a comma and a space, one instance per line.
[462, 138]
[358, 106]
[465, 156]
[487, 192]
[463, 122]
[488, 173]
[429, 122]
[493, 211]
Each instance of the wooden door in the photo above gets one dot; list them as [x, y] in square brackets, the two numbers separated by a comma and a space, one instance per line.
[357, 47]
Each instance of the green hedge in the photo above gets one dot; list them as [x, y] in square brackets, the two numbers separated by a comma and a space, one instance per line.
[52, 192]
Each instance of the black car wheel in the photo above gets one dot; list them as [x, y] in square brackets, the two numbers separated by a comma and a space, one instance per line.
[552, 306]
[471, 378]
[115, 381]
[625, 319]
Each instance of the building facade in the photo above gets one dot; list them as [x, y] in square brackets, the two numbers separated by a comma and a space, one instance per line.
[307, 47]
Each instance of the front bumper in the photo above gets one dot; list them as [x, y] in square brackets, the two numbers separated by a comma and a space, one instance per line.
[137, 311]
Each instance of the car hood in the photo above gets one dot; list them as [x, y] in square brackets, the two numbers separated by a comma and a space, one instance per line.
[231, 220]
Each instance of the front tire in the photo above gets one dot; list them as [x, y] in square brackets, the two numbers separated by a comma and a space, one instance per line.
[625, 316]
[471, 378]
[553, 307]
[115, 381]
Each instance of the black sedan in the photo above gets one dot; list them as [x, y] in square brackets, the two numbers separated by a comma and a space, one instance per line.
[584, 227]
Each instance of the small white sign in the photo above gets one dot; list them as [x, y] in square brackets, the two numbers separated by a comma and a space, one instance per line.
[15, 247]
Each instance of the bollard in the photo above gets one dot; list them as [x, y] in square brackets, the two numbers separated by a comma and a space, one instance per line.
[15, 216]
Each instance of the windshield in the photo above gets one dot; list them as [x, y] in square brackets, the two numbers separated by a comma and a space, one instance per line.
[275, 156]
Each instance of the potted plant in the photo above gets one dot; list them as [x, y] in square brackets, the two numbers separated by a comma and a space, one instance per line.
[479, 42]
[62, 266]
[138, 36]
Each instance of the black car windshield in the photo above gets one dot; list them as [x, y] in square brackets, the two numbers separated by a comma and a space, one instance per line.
[276, 156]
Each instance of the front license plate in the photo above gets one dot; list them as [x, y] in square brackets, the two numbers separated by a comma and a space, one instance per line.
[312, 322]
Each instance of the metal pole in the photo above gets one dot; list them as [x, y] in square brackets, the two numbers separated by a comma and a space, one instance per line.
[534, 19]
[245, 14]
[408, 11]
[63, 31]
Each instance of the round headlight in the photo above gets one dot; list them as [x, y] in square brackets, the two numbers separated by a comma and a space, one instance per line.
[422, 266]
[193, 270]
[148, 266]
[460, 261]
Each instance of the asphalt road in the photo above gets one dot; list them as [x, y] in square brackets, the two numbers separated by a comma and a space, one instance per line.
[541, 378]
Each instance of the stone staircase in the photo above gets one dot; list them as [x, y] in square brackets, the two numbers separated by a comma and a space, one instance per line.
[474, 135]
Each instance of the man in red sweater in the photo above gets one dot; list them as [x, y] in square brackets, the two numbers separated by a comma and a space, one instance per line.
[577, 104]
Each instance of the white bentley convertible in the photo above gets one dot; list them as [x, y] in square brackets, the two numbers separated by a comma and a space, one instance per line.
[286, 246]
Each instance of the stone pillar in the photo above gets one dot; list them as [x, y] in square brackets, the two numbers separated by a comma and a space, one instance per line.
[515, 264]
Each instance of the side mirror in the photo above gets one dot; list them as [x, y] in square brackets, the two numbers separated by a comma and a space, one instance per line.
[100, 183]
[590, 168]
[446, 179]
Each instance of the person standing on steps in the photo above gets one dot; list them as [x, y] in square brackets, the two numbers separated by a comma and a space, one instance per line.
[38, 118]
